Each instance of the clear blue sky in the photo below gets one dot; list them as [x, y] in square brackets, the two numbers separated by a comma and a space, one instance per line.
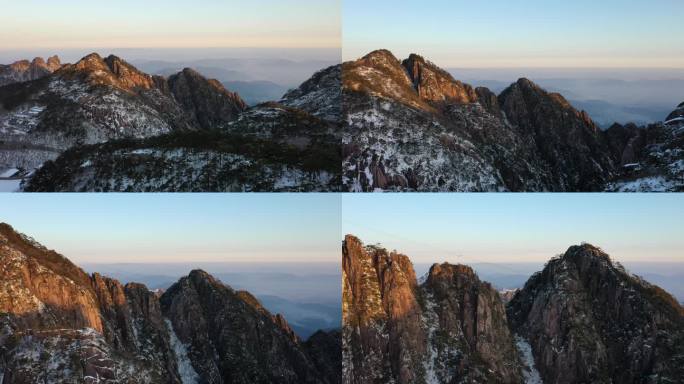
[506, 228]
[526, 33]
[105, 228]
[31, 24]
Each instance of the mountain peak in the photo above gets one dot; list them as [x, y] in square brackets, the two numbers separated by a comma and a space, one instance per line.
[592, 316]
[380, 54]
[436, 85]
[209, 103]
[447, 270]
[91, 62]
[38, 61]
[416, 57]
[200, 274]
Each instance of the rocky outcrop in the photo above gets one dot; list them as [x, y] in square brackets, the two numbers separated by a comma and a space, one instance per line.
[651, 158]
[470, 313]
[321, 95]
[25, 70]
[60, 325]
[588, 320]
[677, 115]
[450, 329]
[325, 350]
[207, 102]
[231, 341]
[85, 326]
[436, 85]
[567, 140]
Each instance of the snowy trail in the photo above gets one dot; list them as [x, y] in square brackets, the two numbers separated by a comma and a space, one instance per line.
[530, 373]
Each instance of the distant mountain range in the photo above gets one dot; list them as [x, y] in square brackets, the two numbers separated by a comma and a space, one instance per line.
[102, 125]
[61, 325]
[410, 126]
[582, 319]
[637, 96]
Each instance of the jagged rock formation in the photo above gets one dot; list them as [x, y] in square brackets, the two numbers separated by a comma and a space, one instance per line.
[59, 324]
[230, 340]
[321, 95]
[411, 126]
[588, 320]
[91, 101]
[450, 329]
[25, 70]
[120, 129]
[651, 157]
[207, 102]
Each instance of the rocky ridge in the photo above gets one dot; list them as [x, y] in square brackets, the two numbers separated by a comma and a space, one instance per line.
[59, 324]
[103, 125]
[450, 329]
[410, 126]
[584, 318]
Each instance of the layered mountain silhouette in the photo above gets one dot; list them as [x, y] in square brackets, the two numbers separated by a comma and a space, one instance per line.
[410, 126]
[583, 319]
[61, 325]
[102, 125]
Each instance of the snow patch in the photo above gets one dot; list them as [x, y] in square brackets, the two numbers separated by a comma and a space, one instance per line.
[530, 373]
[187, 373]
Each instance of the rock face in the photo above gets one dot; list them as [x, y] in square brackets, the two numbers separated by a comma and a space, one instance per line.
[59, 324]
[450, 329]
[129, 131]
[207, 102]
[571, 146]
[588, 320]
[410, 126]
[321, 95]
[651, 157]
[25, 70]
[231, 341]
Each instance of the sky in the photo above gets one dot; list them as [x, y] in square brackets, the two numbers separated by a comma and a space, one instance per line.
[54, 25]
[530, 33]
[148, 228]
[512, 228]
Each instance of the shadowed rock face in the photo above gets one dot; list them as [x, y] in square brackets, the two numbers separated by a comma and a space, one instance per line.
[60, 325]
[452, 328]
[588, 320]
[472, 309]
[233, 341]
[206, 101]
[567, 140]
[651, 157]
[321, 95]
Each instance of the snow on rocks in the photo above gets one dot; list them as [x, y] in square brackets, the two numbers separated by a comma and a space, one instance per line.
[186, 371]
[530, 373]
